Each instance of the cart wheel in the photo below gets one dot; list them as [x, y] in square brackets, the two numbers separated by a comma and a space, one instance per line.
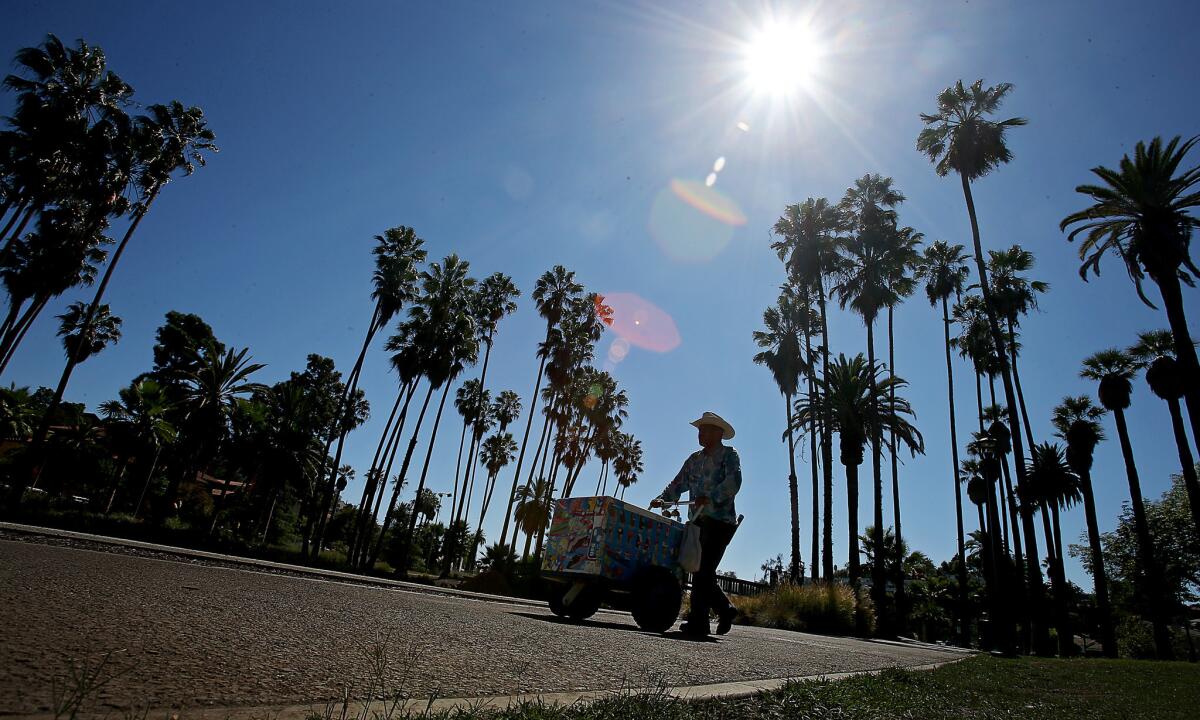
[657, 598]
[555, 601]
[585, 605]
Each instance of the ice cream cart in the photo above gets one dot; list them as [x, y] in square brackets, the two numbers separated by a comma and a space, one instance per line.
[601, 549]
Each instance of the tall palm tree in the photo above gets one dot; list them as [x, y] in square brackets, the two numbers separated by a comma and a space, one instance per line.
[903, 257]
[960, 138]
[398, 252]
[944, 269]
[142, 408]
[442, 328]
[1077, 421]
[551, 293]
[64, 252]
[497, 451]
[1155, 350]
[474, 406]
[1114, 370]
[81, 340]
[1014, 296]
[172, 138]
[781, 355]
[1057, 487]
[628, 463]
[67, 98]
[532, 511]
[865, 284]
[809, 242]
[852, 394]
[494, 300]
[213, 392]
[1141, 213]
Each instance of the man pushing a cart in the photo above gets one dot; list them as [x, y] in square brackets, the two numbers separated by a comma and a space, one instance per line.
[712, 477]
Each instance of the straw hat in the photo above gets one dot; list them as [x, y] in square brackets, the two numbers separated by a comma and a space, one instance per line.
[711, 418]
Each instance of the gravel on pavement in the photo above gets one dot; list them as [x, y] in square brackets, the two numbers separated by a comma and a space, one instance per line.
[195, 635]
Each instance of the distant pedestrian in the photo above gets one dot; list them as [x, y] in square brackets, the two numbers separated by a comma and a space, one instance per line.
[712, 476]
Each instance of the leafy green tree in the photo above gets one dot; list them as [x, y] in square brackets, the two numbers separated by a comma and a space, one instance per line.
[960, 138]
[944, 268]
[1141, 213]
[1077, 421]
[1169, 521]
[1114, 370]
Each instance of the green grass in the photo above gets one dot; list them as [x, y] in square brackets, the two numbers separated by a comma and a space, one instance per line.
[981, 688]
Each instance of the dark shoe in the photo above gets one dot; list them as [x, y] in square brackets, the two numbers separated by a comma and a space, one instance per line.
[694, 629]
[725, 621]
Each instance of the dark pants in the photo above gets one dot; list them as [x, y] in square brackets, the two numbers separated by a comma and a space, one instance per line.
[706, 594]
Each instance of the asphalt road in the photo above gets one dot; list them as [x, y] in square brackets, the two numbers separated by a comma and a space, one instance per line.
[188, 635]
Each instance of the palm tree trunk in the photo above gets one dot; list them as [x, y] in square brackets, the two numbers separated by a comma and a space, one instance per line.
[462, 441]
[1186, 461]
[826, 445]
[901, 601]
[1158, 616]
[1108, 634]
[1172, 295]
[383, 476]
[814, 567]
[21, 206]
[879, 566]
[149, 476]
[412, 516]
[399, 484]
[369, 487]
[541, 451]
[1032, 569]
[1012, 335]
[487, 501]
[16, 333]
[964, 621]
[852, 522]
[1062, 620]
[20, 228]
[548, 500]
[979, 397]
[341, 432]
[793, 494]
[521, 456]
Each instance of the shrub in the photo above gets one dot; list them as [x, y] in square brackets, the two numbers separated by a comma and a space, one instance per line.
[817, 608]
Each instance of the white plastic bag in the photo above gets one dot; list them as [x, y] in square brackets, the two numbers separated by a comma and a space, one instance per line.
[689, 549]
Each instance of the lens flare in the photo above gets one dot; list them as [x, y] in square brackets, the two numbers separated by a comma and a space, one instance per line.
[693, 222]
[639, 323]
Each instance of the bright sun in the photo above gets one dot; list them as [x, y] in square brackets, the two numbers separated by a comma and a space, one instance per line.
[781, 58]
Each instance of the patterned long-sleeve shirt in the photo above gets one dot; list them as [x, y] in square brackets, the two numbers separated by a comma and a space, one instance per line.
[717, 478]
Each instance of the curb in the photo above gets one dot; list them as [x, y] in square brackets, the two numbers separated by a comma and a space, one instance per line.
[436, 705]
[253, 563]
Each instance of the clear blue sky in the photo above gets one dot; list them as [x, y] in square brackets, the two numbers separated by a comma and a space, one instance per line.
[521, 135]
